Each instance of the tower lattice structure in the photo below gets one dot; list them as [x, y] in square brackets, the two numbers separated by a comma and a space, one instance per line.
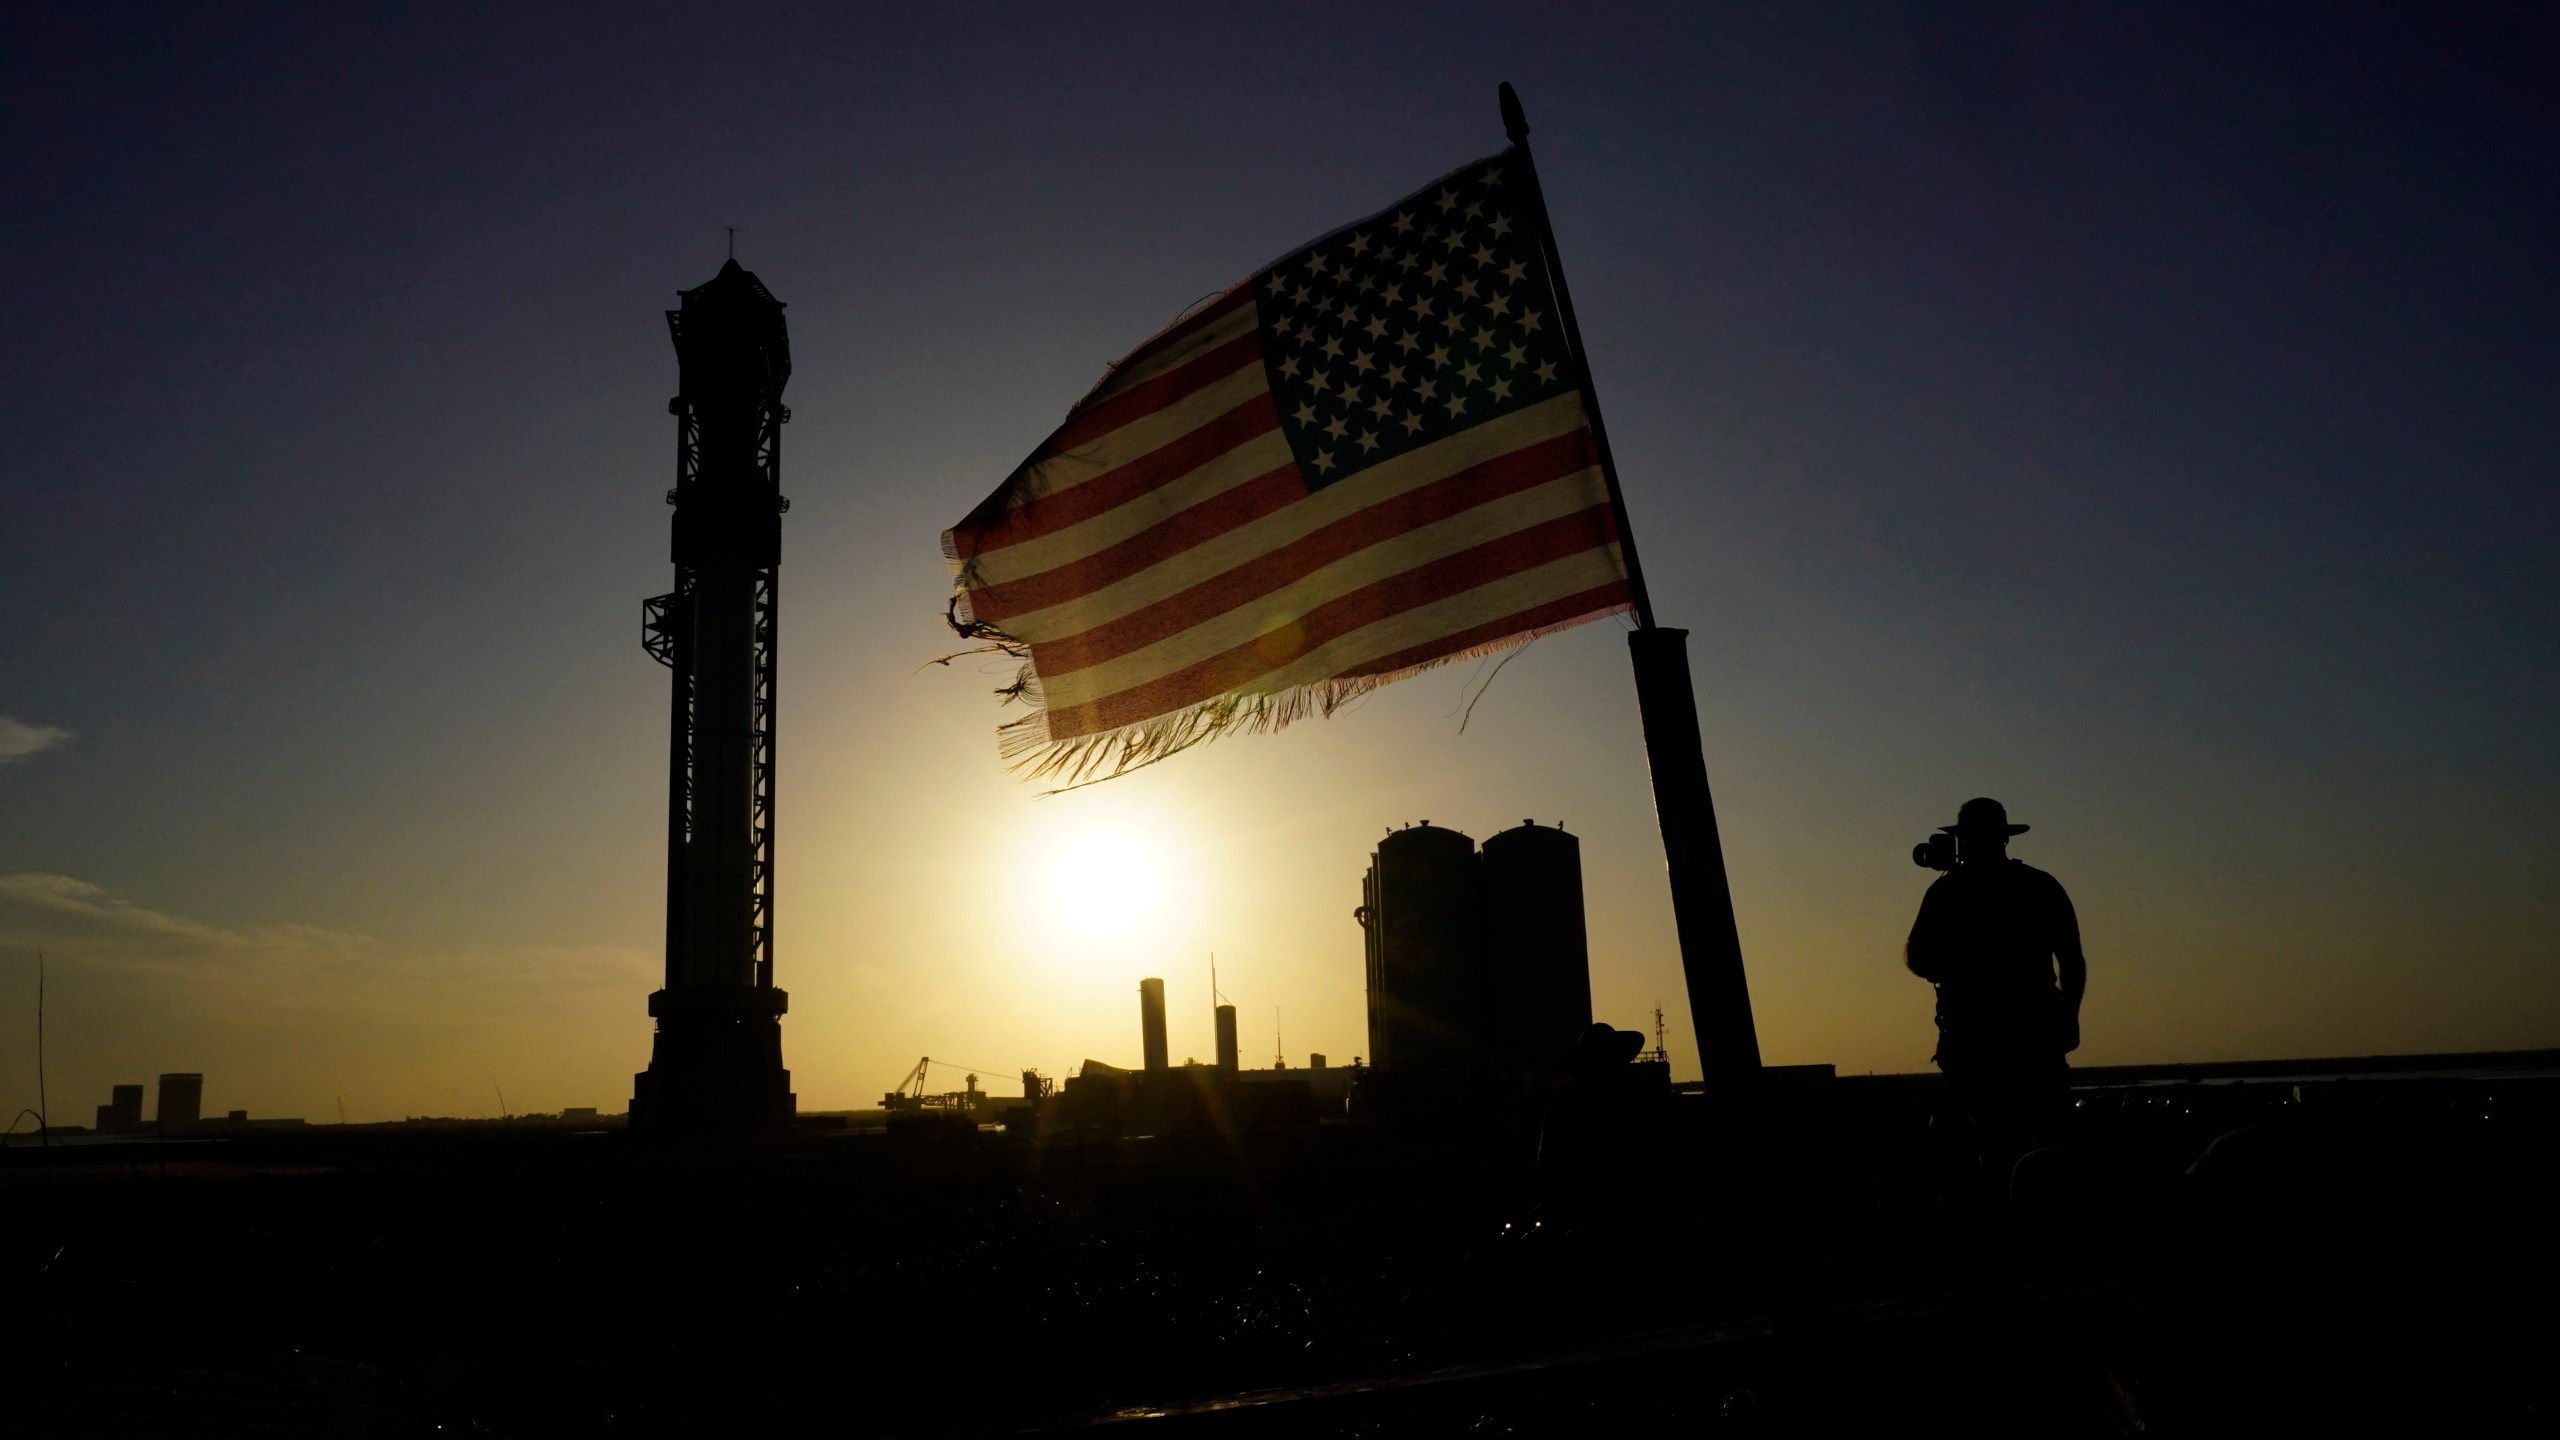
[716, 1062]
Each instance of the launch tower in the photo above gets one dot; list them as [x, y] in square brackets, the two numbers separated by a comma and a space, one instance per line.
[716, 1064]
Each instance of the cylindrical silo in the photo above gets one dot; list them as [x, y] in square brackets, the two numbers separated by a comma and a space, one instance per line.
[1427, 997]
[1151, 1022]
[1226, 1039]
[1536, 947]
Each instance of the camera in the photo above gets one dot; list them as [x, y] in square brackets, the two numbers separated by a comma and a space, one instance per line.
[1938, 852]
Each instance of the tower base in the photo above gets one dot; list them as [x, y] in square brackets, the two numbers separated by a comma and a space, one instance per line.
[715, 1067]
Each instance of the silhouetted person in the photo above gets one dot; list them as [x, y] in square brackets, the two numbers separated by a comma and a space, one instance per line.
[1593, 1137]
[1999, 940]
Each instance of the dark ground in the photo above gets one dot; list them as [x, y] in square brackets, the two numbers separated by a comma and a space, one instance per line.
[2375, 1256]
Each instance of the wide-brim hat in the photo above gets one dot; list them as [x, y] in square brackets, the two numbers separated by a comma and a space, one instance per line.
[1603, 1048]
[1982, 815]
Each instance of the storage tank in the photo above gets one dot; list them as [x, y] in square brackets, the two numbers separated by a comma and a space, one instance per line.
[1536, 945]
[1151, 1023]
[1422, 909]
[1226, 1039]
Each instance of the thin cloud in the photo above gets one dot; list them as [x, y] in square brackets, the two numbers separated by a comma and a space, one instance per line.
[291, 1016]
[291, 968]
[85, 910]
[18, 739]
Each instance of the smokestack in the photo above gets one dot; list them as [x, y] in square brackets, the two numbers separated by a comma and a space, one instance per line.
[1226, 1039]
[1151, 1022]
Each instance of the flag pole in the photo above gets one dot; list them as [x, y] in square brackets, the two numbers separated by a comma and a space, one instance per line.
[1667, 703]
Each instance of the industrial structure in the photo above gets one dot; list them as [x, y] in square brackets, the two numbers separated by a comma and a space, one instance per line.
[178, 1111]
[1160, 1097]
[122, 1114]
[911, 1096]
[181, 1100]
[1479, 968]
[1479, 993]
[1151, 1041]
[1225, 1016]
[716, 1064]
[1479, 1005]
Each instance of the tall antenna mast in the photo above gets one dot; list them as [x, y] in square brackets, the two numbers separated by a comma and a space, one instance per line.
[44, 1107]
[1279, 1051]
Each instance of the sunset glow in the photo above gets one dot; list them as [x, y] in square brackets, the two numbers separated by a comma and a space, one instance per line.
[1106, 882]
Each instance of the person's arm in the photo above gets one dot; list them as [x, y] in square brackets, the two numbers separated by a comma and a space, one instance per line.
[2067, 955]
[1924, 952]
[2071, 963]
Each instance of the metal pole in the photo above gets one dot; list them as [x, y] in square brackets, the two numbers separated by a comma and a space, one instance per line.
[44, 1104]
[1701, 896]
[1515, 123]
[1666, 701]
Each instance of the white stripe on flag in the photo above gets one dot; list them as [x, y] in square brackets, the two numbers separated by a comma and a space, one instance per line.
[1149, 432]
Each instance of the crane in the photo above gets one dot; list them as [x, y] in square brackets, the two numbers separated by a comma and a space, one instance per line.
[910, 1092]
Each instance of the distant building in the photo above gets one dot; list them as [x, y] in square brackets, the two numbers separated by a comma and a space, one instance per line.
[123, 1114]
[1328, 1087]
[1181, 1099]
[181, 1100]
[578, 1114]
[235, 1120]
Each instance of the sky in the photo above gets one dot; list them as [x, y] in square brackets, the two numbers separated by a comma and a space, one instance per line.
[2145, 415]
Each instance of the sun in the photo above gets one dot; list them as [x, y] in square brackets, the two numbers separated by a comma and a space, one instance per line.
[1106, 882]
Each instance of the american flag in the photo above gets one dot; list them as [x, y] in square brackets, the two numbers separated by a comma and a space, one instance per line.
[1370, 458]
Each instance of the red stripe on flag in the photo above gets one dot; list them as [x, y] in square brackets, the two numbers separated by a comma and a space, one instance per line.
[1522, 469]
[1590, 604]
[1174, 334]
[1114, 488]
[1451, 575]
[1147, 396]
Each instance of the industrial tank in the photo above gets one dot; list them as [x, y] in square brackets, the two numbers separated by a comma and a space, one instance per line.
[1535, 943]
[1428, 1004]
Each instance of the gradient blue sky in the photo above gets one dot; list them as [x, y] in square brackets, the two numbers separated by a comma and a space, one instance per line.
[2144, 414]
